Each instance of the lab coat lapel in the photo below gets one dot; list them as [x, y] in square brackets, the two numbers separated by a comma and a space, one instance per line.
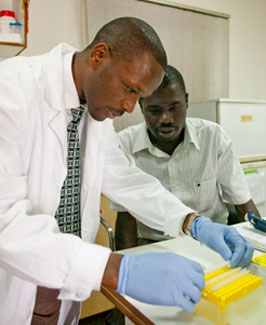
[92, 131]
[89, 148]
[58, 124]
[54, 94]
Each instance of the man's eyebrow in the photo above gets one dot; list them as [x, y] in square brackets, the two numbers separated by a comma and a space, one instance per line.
[138, 89]
[153, 106]
[176, 102]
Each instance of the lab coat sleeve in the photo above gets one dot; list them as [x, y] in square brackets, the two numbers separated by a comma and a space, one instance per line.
[140, 193]
[230, 174]
[31, 246]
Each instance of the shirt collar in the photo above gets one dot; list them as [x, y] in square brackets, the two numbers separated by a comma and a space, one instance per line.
[142, 140]
[190, 134]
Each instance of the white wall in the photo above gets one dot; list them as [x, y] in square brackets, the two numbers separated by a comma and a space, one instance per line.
[54, 21]
[247, 71]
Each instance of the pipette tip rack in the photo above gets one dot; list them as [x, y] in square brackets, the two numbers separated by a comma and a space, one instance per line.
[226, 284]
[230, 294]
[261, 259]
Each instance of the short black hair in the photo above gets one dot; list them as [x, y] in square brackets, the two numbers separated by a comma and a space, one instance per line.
[128, 37]
[171, 76]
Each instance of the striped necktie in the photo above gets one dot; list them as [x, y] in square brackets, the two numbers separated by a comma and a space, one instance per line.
[68, 211]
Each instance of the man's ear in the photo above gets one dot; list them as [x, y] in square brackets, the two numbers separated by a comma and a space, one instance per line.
[100, 54]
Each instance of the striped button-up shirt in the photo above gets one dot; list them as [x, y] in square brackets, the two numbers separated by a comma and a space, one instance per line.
[202, 172]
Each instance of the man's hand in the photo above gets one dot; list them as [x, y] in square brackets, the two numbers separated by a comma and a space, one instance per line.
[161, 279]
[223, 239]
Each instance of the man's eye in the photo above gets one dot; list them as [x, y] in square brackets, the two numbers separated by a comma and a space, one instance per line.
[174, 108]
[156, 112]
[130, 90]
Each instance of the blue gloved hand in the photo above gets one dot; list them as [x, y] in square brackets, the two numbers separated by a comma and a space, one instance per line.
[161, 279]
[224, 240]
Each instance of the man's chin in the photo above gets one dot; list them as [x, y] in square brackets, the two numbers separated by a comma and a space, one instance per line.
[96, 115]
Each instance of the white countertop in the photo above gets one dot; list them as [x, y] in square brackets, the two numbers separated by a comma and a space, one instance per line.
[188, 247]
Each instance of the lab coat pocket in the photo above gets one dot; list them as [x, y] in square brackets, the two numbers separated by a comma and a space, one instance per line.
[205, 193]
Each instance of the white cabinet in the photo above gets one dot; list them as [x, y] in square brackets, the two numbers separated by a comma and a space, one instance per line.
[243, 120]
[11, 45]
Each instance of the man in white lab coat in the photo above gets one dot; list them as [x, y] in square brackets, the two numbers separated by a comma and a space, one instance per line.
[125, 61]
[193, 158]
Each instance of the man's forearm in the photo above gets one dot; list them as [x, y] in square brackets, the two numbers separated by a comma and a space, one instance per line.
[110, 276]
[242, 209]
[125, 231]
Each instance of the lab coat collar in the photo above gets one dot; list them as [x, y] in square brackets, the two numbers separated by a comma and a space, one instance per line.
[71, 97]
[60, 89]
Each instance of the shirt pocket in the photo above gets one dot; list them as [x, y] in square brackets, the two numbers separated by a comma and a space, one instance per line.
[205, 193]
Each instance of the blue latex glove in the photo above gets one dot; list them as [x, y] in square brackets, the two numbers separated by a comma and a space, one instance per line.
[224, 240]
[161, 279]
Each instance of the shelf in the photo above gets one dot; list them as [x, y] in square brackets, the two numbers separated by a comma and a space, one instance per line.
[13, 47]
[10, 39]
[10, 49]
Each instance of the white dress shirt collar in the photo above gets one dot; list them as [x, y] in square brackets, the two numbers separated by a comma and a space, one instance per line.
[142, 140]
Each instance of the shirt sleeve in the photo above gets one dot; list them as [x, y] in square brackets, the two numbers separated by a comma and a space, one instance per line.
[141, 194]
[230, 174]
[124, 146]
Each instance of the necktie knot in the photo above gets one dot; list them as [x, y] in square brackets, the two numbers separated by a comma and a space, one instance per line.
[77, 114]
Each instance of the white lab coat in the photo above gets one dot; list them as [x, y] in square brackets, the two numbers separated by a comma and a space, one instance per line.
[33, 151]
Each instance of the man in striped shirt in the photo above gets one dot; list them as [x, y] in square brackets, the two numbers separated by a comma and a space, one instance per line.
[192, 158]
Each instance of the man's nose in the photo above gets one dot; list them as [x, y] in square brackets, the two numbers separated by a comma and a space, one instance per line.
[129, 105]
[166, 118]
